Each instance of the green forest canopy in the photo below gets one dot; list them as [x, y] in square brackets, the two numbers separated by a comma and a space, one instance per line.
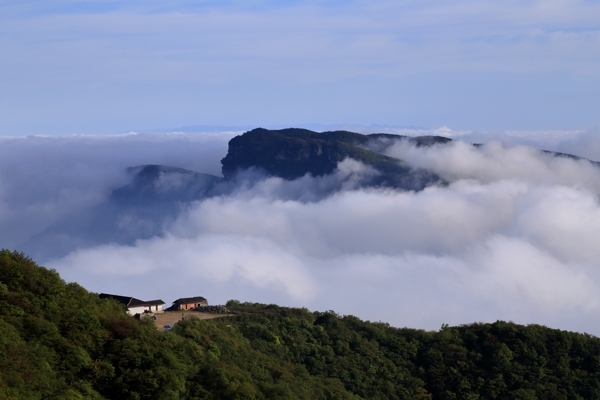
[59, 341]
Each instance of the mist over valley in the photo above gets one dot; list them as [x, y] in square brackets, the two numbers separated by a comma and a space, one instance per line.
[414, 230]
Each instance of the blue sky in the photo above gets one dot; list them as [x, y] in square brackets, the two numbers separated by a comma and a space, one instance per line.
[109, 66]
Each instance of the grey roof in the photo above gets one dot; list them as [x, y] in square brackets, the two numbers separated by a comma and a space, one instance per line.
[129, 301]
[186, 300]
[154, 302]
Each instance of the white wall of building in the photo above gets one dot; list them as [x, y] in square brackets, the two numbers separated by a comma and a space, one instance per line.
[136, 310]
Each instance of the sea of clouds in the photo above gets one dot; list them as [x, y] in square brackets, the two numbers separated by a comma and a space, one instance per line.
[513, 235]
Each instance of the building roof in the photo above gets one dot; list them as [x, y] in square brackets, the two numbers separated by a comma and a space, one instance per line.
[155, 302]
[130, 302]
[186, 300]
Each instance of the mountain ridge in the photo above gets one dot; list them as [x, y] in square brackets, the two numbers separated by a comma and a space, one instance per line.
[294, 152]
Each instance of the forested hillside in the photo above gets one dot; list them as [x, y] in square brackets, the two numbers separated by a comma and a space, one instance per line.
[58, 341]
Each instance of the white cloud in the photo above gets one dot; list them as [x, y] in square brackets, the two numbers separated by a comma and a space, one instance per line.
[92, 68]
[201, 260]
[500, 243]
[512, 235]
[301, 41]
[43, 179]
[513, 268]
[493, 162]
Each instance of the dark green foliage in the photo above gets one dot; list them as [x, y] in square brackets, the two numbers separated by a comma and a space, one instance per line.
[478, 361]
[59, 341]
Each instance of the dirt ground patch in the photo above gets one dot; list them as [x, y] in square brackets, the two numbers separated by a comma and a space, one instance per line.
[171, 317]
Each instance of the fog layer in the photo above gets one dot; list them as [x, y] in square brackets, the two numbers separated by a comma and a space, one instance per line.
[511, 236]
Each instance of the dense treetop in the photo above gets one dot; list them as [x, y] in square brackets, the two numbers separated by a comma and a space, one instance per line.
[59, 341]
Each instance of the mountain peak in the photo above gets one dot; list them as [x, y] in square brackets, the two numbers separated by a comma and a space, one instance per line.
[292, 153]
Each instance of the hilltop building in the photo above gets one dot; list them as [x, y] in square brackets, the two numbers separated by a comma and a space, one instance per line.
[136, 306]
[189, 303]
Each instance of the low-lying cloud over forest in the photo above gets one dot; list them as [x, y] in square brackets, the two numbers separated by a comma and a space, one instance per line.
[513, 234]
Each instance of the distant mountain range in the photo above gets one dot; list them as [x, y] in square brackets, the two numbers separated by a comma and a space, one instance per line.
[157, 194]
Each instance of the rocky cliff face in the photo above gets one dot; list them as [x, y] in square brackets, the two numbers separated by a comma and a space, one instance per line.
[288, 153]
[292, 153]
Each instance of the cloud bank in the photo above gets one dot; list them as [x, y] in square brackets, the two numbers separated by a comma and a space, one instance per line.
[511, 236]
[43, 178]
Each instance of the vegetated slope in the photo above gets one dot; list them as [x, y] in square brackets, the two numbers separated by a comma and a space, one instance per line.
[502, 360]
[59, 341]
[292, 153]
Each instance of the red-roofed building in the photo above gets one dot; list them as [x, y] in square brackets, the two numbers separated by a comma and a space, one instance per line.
[189, 303]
